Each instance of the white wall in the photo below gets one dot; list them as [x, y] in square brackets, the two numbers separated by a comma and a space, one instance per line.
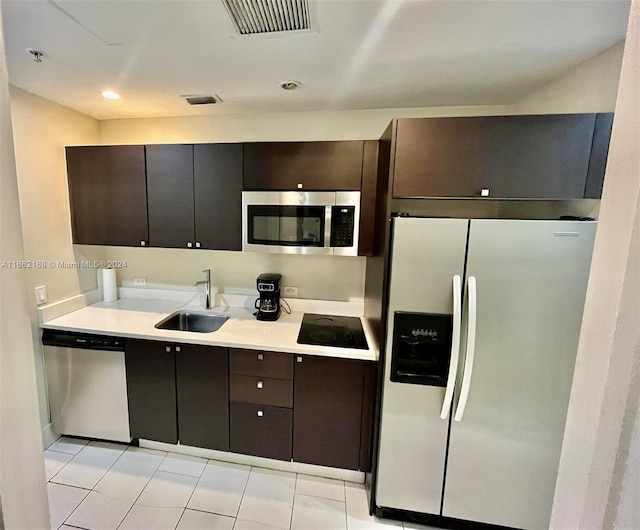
[591, 86]
[599, 477]
[41, 129]
[22, 478]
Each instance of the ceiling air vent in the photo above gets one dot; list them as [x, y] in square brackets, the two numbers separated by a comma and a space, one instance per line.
[268, 16]
[201, 100]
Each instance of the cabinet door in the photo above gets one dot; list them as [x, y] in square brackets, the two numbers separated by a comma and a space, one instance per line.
[151, 390]
[303, 165]
[544, 156]
[327, 412]
[170, 195]
[107, 190]
[217, 173]
[203, 396]
[599, 154]
[261, 430]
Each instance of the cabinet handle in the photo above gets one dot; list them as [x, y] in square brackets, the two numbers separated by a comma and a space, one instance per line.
[177, 348]
[259, 385]
[484, 192]
[298, 359]
[197, 244]
[299, 186]
[143, 243]
[189, 244]
[260, 413]
[260, 357]
[168, 349]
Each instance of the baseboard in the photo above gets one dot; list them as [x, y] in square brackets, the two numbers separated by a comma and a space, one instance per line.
[49, 436]
[256, 461]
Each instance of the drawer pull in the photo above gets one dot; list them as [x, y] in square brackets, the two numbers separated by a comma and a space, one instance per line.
[259, 385]
[168, 349]
[260, 357]
[177, 348]
[298, 359]
[260, 413]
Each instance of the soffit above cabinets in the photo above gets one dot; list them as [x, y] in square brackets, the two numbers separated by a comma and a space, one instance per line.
[356, 54]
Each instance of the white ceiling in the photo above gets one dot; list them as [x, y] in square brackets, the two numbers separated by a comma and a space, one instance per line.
[361, 54]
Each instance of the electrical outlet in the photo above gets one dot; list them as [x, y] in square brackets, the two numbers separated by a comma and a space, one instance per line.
[140, 282]
[41, 295]
[291, 291]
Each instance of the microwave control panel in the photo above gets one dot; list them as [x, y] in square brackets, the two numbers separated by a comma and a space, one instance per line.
[342, 221]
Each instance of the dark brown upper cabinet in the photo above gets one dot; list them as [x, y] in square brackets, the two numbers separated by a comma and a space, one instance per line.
[170, 195]
[108, 195]
[333, 404]
[303, 165]
[217, 176]
[599, 153]
[202, 382]
[195, 196]
[533, 157]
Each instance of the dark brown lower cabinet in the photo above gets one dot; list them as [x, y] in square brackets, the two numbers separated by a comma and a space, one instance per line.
[151, 390]
[261, 430]
[202, 383]
[328, 411]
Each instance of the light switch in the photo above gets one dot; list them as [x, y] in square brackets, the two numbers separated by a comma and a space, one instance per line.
[41, 295]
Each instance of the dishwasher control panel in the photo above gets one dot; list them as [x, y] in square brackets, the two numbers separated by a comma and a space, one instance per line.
[67, 339]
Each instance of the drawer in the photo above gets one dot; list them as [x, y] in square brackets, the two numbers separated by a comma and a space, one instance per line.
[260, 430]
[261, 390]
[261, 363]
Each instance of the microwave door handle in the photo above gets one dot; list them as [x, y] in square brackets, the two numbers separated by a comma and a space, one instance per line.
[455, 347]
[471, 349]
[327, 226]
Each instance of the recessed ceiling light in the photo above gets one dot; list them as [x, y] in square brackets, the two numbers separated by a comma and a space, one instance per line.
[289, 85]
[110, 94]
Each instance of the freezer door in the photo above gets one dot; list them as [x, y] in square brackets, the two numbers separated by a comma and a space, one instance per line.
[531, 281]
[426, 254]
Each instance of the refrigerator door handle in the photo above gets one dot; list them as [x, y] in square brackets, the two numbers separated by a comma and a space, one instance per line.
[455, 347]
[471, 349]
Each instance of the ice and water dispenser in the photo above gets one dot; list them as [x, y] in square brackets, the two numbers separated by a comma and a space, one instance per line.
[421, 348]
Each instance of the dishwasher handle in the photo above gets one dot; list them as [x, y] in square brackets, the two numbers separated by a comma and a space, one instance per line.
[67, 339]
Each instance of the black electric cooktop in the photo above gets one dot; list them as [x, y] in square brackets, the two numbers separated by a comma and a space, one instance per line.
[331, 330]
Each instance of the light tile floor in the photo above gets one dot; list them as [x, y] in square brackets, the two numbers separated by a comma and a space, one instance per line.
[104, 486]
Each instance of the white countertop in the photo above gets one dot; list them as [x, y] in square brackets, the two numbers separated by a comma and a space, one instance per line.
[136, 318]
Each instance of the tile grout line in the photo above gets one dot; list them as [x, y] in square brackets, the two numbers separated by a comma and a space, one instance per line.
[244, 490]
[192, 491]
[113, 464]
[346, 508]
[142, 490]
[293, 502]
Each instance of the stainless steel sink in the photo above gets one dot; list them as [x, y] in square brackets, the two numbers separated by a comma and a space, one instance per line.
[191, 321]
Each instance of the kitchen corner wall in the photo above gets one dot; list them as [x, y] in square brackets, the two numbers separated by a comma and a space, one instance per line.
[41, 129]
[591, 86]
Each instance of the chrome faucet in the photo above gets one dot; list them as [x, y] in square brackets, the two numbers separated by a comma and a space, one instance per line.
[207, 287]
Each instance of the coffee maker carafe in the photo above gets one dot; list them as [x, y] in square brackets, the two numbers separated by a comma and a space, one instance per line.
[268, 304]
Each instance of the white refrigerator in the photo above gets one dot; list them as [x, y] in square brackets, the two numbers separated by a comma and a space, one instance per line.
[482, 332]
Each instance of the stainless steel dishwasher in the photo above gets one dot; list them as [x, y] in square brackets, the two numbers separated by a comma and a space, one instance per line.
[87, 385]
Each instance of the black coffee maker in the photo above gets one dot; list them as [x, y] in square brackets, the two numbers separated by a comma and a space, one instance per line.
[268, 305]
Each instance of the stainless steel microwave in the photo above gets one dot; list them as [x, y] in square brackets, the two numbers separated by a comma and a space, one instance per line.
[294, 222]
